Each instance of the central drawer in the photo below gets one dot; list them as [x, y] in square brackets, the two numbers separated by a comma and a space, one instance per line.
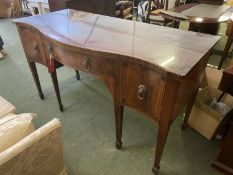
[78, 61]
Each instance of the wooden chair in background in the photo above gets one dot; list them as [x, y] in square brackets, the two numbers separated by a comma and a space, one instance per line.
[153, 15]
[124, 9]
[229, 34]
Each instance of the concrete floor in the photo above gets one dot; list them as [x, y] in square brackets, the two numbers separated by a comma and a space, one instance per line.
[88, 122]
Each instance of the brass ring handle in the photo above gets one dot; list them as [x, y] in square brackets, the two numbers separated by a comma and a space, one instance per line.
[141, 92]
[86, 63]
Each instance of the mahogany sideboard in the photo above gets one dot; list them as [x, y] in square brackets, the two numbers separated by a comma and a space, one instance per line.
[153, 69]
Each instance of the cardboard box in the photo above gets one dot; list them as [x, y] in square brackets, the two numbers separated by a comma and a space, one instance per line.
[203, 118]
[211, 78]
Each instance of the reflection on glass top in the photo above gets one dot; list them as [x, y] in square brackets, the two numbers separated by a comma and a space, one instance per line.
[176, 51]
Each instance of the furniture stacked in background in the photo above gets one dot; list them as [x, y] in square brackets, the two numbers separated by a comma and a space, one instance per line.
[38, 6]
[11, 8]
[204, 17]
[113, 8]
[103, 7]
[24, 150]
[124, 9]
[121, 9]
[153, 15]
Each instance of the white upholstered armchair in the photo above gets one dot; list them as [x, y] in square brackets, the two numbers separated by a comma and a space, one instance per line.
[35, 152]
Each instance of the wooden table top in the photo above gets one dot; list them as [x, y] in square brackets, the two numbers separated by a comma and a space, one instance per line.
[208, 13]
[175, 51]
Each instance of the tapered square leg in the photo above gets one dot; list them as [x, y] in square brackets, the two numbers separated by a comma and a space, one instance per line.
[161, 141]
[56, 88]
[119, 109]
[188, 111]
[35, 76]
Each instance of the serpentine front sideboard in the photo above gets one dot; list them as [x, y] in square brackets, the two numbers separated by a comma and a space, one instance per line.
[153, 69]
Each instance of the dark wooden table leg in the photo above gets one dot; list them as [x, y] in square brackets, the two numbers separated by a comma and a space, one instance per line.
[163, 130]
[225, 52]
[118, 107]
[33, 69]
[188, 111]
[77, 75]
[56, 88]
[164, 122]
[119, 110]
[161, 141]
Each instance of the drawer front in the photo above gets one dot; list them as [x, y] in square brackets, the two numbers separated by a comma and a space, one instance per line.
[143, 89]
[33, 45]
[78, 61]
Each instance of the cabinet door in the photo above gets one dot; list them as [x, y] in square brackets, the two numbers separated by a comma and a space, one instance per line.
[143, 89]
